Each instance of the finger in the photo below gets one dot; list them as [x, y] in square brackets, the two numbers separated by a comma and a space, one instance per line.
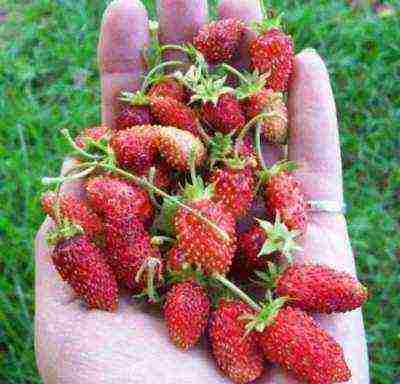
[124, 35]
[314, 137]
[314, 145]
[248, 11]
[180, 20]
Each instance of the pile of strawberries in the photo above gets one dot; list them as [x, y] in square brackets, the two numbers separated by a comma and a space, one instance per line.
[168, 212]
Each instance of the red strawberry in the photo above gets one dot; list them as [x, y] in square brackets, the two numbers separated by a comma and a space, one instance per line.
[166, 111]
[237, 355]
[245, 147]
[131, 254]
[317, 288]
[272, 51]
[83, 266]
[169, 87]
[235, 188]
[293, 339]
[116, 198]
[274, 128]
[73, 209]
[186, 312]
[94, 133]
[219, 40]
[136, 148]
[226, 115]
[176, 147]
[132, 115]
[203, 244]
[175, 259]
[163, 177]
[283, 196]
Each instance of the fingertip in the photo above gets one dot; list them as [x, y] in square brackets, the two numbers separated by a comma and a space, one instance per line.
[124, 35]
[180, 21]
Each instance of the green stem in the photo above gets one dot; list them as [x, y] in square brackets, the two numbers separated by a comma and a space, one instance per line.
[66, 134]
[160, 240]
[237, 291]
[143, 182]
[203, 133]
[153, 199]
[235, 72]
[62, 179]
[147, 80]
[175, 47]
[257, 140]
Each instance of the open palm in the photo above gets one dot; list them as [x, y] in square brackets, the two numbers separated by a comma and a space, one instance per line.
[74, 345]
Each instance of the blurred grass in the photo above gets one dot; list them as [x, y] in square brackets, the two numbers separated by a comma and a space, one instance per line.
[49, 80]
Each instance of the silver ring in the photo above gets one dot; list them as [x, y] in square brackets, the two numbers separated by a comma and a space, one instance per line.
[326, 206]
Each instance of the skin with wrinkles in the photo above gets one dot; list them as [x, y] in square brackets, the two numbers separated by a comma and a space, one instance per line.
[74, 345]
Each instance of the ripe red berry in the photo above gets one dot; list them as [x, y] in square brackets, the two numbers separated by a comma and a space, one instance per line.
[226, 116]
[283, 196]
[235, 188]
[186, 312]
[219, 40]
[175, 259]
[237, 355]
[136, 148]
[201, 243]
[318, 288]
[115, 198]
[83, 266]
[75, 210]
[131, 254]
[296, 342]
[169, 87]
[273, 52]
[170, 112]
[274, 128]
[131, 116]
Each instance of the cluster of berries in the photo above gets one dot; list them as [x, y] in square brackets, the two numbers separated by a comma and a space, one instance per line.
[165, 192]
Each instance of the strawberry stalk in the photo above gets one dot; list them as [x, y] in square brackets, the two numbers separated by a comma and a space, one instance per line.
[150, 265]
[257, 140]
[160, 240]
[143, 182]
[62, 179]
[81, 151]
[237, 291]
[235, 72]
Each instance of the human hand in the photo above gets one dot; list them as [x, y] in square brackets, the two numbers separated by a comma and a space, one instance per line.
[75, 345]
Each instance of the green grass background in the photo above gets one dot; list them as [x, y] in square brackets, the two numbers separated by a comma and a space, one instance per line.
[49, 79]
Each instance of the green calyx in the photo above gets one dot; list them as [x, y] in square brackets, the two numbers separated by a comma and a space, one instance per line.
[138, 98]
[267, 23]
[266, 316]
[65, 230]
[269, 277]
[250, 82]
[281, 166]
[220, 147]
[279, 239]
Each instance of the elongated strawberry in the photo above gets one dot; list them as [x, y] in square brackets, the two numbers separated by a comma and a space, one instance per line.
[115, 198]
[283, 196]
[132, 256]
[75, 209]
[132, 115]
[274, 128]
[219, 40]
[136, 148]
[291, 338]
[237, 355]
[176, 146]
[207, 233]
[235, 188]
[93, 133]
[186, 312]
[83, 266]
[169, 87]
[166, 111]
[318, 288]
[226, 115]
[273, 52]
